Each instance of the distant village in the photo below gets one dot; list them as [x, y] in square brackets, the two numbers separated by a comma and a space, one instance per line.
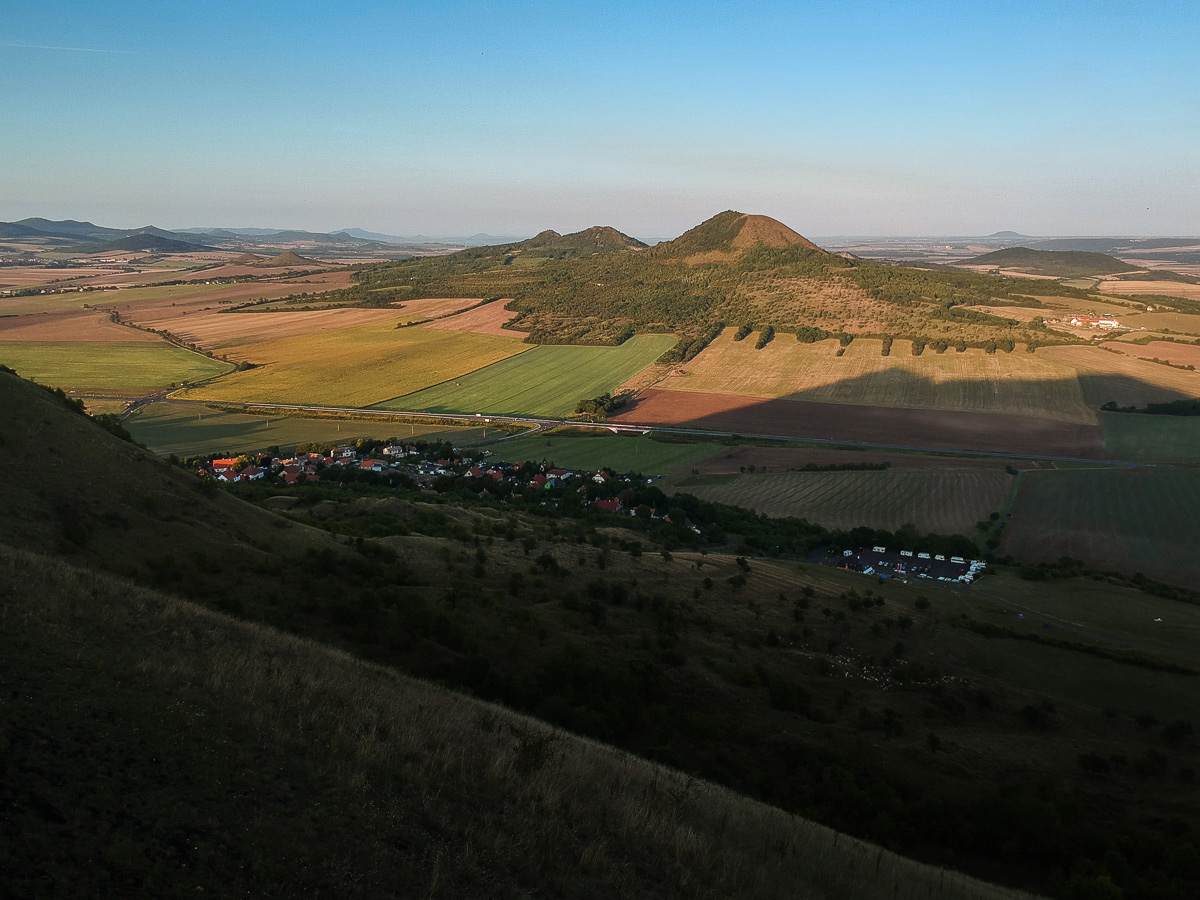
[423, 465]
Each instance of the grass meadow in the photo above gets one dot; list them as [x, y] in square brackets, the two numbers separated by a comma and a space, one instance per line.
[1016, 382]
[544, 381]
[1128, 520]
[1156, 438]
[186, 430]
[357, 366]
[945, 501]
[622, 452]
[136, 367]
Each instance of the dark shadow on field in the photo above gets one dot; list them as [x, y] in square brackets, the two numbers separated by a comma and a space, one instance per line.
[800, 416]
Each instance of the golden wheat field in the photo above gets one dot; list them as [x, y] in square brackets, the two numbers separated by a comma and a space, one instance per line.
[1018, 382]
[1106, 375]
[355, 366]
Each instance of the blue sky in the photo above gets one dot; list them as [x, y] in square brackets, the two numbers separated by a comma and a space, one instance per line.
[837, 118]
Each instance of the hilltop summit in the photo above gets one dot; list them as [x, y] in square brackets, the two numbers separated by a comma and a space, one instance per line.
[726, 234]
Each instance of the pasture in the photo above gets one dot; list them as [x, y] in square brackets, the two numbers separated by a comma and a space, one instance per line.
[132, 368]
[947, 501]
[1157, 438]
[1018, 382]
[1129, 520]
[357, 366]
[187, 429]
[621, 452]
[544, 381]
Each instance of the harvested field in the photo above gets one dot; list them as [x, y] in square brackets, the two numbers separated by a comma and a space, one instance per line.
[1017, 382]
[230, 329]
[29, 276]
[1180, 323]
[1110, 375]
[128, 369]
[432, 307]
[1020, 313]
[946, 502]
[545, 381]
[487, 319]
[1167, 288]
[265, 272]
[118, 297]
[1127, 520]
[355, 366]
[70, 325]
[1179, 354]
[1158, 438]
[187, 429]
[927, 429]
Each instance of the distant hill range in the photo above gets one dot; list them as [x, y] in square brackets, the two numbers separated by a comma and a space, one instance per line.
[154, 243]
[1009, 235]
[1055, 263]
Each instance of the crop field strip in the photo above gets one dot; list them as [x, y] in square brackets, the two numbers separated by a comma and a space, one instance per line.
[1152, 438]
[544, 381]
[357, 366]
[133, 368]
[1016, 382]
[83, 325]
[1135, 520]
[623, 453]
[1179, 354]
[222, 330]
[186, 430]
[948, 501]
[78, 299]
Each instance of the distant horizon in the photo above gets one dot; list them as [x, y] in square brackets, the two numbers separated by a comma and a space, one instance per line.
[522, 235]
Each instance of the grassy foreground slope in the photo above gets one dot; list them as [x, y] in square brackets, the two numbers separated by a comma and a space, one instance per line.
[156, 749]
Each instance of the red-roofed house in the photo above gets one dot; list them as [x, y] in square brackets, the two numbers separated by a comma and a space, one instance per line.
[221, 465]
[611, 506]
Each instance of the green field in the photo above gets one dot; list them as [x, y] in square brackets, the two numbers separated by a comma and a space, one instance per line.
[189, 430]
[1128, 520]
[1164, 438]
[621, 452]
[946, 501]
[545, 381]
[354, 366]
[125, 368]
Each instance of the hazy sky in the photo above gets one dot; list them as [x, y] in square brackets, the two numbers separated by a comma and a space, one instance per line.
[451, 118]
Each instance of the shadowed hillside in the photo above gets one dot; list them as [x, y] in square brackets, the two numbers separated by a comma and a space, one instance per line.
[1056, 263]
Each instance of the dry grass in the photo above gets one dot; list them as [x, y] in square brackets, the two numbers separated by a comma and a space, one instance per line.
[1179, 354]
[1168, 288]
[1018, 382]
[422, 792]
[432, 307]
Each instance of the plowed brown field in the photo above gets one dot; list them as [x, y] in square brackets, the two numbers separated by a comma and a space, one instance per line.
[924, 428]
[70, 325]
[487, 319]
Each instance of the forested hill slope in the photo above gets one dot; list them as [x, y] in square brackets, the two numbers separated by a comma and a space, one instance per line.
[1055, 263]
[720, 237]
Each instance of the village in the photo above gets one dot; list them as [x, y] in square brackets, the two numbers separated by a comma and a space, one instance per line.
[421, 465]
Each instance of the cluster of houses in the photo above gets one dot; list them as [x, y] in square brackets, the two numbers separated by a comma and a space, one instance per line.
[424, 466]
[1081, 320]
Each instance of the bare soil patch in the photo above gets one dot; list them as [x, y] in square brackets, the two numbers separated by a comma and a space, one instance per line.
[932, 429]
[487, 319]
[69, 325]
[432, 307]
